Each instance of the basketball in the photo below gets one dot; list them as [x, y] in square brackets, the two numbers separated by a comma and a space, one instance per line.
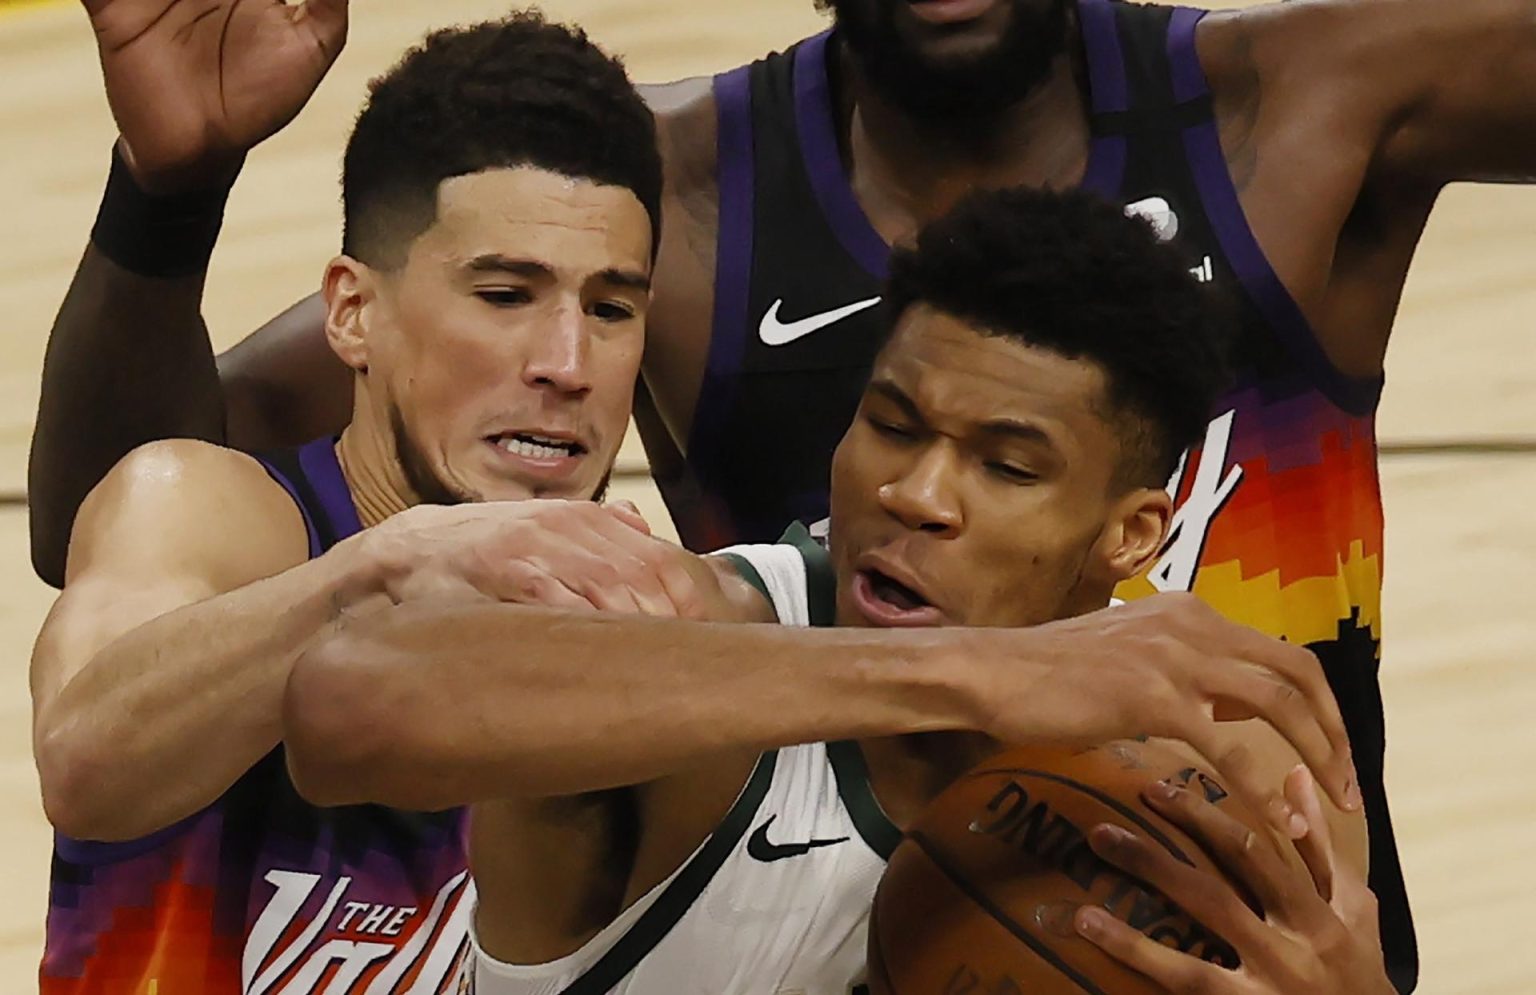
[980, 895]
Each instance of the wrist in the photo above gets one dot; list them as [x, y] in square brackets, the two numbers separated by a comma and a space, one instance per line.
[976, 661]
[942, 677]
[164, 235]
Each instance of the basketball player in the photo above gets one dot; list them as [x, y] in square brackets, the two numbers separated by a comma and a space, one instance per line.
[1005, 468]
[1292, 152]
[490, 299]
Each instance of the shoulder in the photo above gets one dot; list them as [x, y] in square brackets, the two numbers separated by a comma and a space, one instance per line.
[189, 505]
[795, 574]
[685, 130]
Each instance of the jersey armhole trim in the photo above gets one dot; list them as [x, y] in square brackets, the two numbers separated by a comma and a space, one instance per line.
[284, 468]
[685, 889]
[852, 775]
[734, 235]
[1224, 210]
[820, 581]
[748, 573]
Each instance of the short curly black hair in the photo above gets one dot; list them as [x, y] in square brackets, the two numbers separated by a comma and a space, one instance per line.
[1069, 272]
[511, 92]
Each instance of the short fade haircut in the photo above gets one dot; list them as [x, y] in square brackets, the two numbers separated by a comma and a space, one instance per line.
[518, 91]
[1069, 272]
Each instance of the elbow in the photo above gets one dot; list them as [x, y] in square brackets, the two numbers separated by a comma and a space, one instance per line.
[335, 724]
[75, 776]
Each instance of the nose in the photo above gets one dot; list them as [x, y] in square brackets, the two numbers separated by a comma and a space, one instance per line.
[924, 497]
[558, 357]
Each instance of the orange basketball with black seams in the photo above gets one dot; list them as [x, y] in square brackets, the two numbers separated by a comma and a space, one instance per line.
[979, 897]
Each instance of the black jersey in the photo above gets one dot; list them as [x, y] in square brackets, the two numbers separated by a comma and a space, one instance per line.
[1278, 514]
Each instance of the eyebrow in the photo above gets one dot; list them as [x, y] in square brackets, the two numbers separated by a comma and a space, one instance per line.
[1012, 428]
[534, 270]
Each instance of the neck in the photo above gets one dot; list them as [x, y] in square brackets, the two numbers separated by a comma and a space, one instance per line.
[908, 772]
[368, 461]
[906, 172]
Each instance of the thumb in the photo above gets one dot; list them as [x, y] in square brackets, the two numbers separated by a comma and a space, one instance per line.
[327, 21]
[626, 512]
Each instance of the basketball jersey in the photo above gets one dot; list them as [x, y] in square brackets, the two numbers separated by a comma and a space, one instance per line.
[262, 893]
[1278, 518]
[776, 901]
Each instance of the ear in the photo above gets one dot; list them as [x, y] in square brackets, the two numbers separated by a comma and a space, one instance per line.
[1133, 533]
[350, 290]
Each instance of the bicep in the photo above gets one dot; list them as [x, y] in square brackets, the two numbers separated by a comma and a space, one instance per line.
[1443, 91]
[1469, 111]
[172, 524]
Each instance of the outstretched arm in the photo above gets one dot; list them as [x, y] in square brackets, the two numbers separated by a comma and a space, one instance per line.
[436, 704]
[193, 84]
[128, 361]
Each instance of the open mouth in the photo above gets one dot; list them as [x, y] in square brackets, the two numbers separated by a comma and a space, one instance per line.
[895, 593]
[537, 447]
[885, 601]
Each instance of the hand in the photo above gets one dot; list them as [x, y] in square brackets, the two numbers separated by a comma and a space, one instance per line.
[1319, 932]
[194, 84]
[1170, 666]
[573, 555]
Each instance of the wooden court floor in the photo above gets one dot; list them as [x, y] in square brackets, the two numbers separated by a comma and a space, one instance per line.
[1458, 666]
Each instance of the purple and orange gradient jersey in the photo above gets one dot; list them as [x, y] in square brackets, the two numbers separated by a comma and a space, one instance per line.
[262, 893]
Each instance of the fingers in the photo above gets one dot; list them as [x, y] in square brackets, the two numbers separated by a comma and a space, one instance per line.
[1175, 971]
[1239, 772]
[1204, 895]
[1240, 691]
[629, 575]
[626, 512]
[528, 584]
[1316, 847]
[1245, 855]
[1301, 669]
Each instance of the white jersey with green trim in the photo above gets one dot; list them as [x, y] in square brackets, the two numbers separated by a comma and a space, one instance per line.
[776, 901]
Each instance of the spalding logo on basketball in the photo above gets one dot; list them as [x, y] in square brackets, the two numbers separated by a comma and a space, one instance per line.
[980, 896]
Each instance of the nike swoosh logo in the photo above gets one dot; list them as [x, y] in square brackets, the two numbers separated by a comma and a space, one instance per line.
[775, 332]
[758, 847]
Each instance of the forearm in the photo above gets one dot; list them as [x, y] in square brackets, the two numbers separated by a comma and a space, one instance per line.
[164, 719]
[128, 359]
[427, 707]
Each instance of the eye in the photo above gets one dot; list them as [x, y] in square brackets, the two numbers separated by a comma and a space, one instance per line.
[503, 296]
[890, 430]
[612, 311]
[1012, 473]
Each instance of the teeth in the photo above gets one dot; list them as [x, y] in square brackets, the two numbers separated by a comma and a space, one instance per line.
[543, 449]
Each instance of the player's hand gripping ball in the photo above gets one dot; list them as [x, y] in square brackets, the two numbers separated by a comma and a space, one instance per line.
[980, 896]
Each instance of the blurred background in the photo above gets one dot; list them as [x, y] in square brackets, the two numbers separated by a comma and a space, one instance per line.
[1458, 677]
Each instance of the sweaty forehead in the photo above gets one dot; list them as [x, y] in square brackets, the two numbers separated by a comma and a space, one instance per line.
[526, 210]
[952, 371]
